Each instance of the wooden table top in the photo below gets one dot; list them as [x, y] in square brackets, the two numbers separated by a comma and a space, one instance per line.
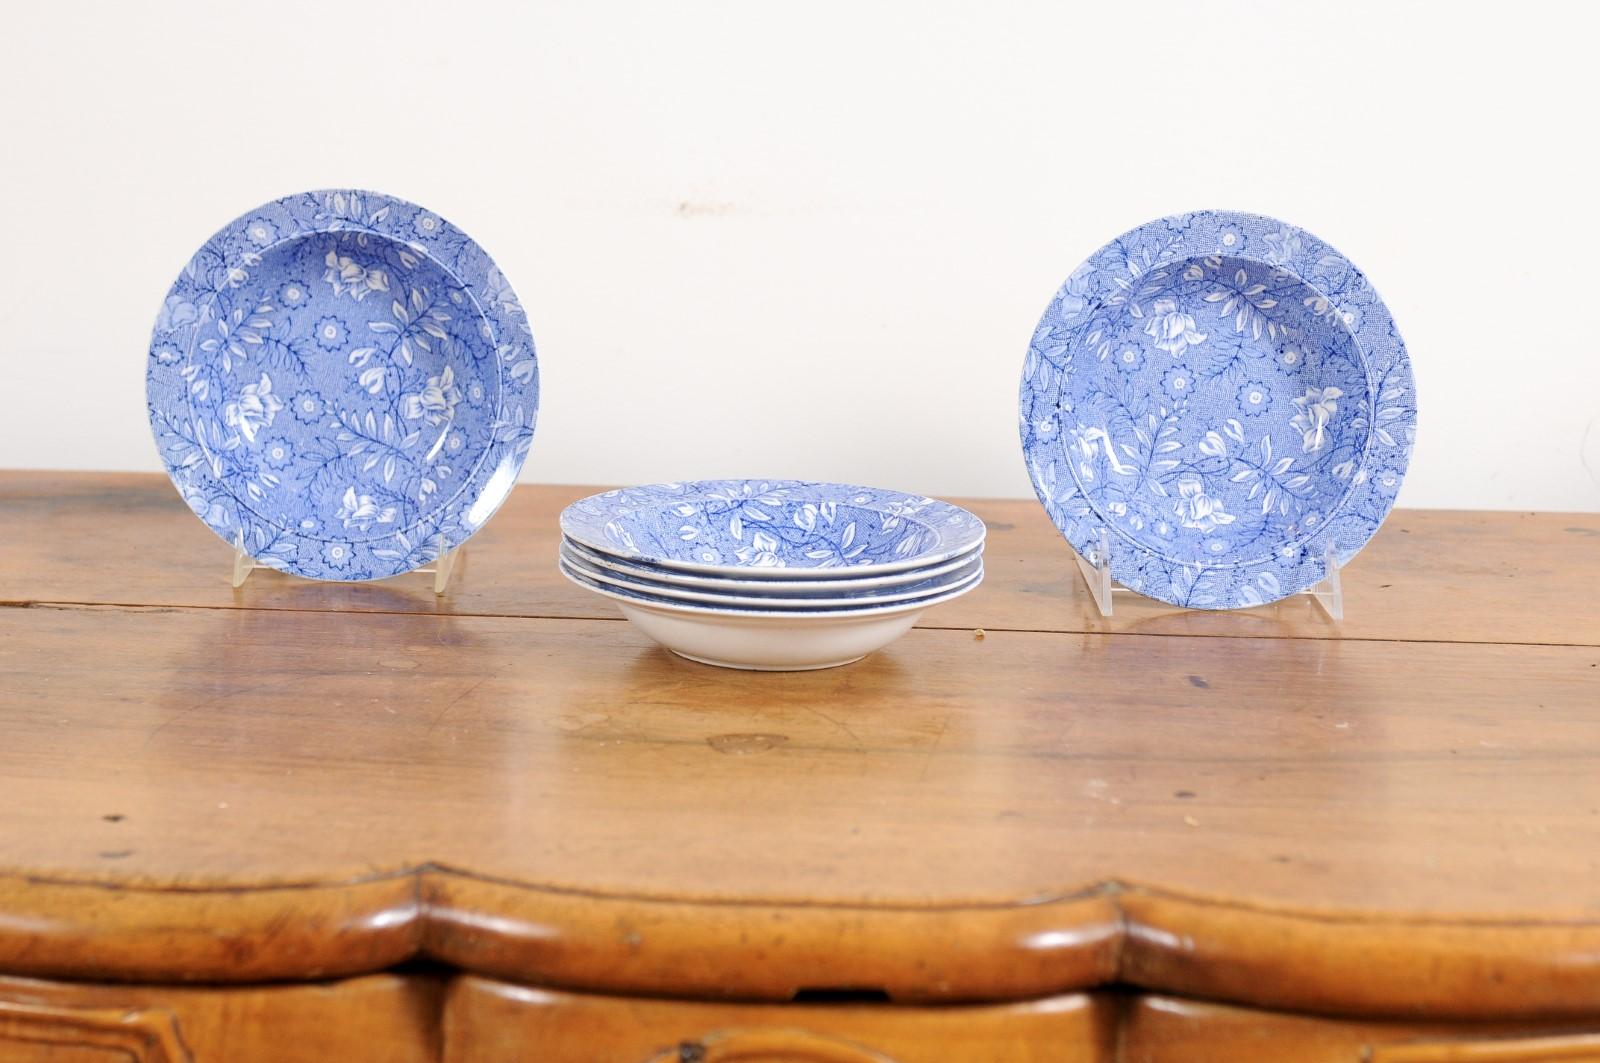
[1399, 814]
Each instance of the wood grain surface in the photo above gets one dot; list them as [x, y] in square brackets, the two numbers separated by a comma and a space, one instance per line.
[127, 539]
[1155, 1029]
[1398, 816]
[491, 1022]
[392, 1018]
[269, 793]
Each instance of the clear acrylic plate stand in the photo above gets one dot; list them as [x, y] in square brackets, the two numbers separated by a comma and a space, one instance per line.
[244, 564]
[1096, 570]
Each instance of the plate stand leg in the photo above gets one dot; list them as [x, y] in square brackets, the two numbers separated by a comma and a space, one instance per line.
[1095, 568]
[244, 564]
[1329, 591]
[1096, 572]
[442, 567]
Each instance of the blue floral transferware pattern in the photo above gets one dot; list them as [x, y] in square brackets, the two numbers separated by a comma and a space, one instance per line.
[774, 528]
[778, 615]
[827, 584]
[1223, 395]
[339, 378]
[843, 594]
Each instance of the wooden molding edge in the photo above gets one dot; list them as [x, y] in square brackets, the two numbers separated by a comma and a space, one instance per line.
[1577, 1048]
[144, 1035]
[769, 952]
[1400, 969]
[706, 948]
[146, 934]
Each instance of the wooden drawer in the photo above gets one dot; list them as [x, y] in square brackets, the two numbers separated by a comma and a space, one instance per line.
[388, 1018]
[1168, 1030]
[496, 1022]
[489, 1022]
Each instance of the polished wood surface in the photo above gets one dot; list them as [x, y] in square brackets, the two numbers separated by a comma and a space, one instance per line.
[386, 1017]
[37, 1033]
[490, 1022]
[127, 539]
[505, 792]
[1174, 1030]
[303, 781]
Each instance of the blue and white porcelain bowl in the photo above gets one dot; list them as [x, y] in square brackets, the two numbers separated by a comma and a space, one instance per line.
[772, 529]
[1223, 398]
[768, 639]
[845, 594]
[341, 383]
[773, 575]
[854, 586]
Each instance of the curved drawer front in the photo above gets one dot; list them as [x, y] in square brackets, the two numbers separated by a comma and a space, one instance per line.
[767, 1046]
[1577, 1048]
[498, 1022]
[46, 1033]
[392, 1018]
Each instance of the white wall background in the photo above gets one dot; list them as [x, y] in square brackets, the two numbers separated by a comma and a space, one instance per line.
[813, 239]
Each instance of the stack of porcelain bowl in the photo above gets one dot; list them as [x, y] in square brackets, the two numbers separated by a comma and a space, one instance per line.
[771, 574]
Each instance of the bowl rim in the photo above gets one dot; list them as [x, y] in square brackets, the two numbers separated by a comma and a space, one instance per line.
[838, 614]
[592, 521]
[796, 588]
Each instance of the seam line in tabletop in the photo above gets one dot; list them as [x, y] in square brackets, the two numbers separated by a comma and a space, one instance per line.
[1111, 890]
[25, 604]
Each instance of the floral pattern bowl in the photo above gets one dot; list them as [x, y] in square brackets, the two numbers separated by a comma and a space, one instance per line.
[854, 586]
[772, 529]
[341, 383]
[773, 575]
[766, 639]
[1221, 396]
[845, 594]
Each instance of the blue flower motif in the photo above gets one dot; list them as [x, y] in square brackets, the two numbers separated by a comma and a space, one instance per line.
[253, 408]
[176, 312]
[427, 226]
[1283, 245]
[1129, 359]
[330, 333]
[1178, 381]
[1231, 237]
[279, 453]
[1254, 398]
[337, 555]
[1073, 299]
[1387, 480]
[1172, 327]
[293, 295]
[307, 407]
[1292, 359]
[260, 231]
[167, 354]
[475, 393]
